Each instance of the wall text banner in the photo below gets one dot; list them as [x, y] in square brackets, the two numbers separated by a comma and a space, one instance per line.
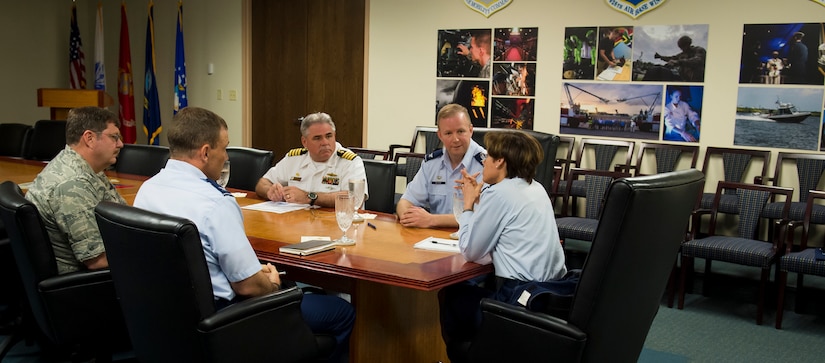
[635, 8]
[487, 8]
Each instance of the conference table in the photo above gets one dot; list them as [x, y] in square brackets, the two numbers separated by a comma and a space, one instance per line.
[393, 286]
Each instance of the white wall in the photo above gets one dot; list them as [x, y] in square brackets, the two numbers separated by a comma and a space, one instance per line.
[38, 33]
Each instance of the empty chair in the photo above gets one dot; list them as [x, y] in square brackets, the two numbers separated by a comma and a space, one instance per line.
[169, 305]
[144, 160]
[549, 144]
[809, 171]
[411, 163]
[667, 158]
[735, 164]
[47, 138]
[381, 181]
[367, 154]
[800, 258]
[567, 145]
[620, 286]
[596, 183]
[428, 134]
[597, 154]
[247, 166]
[13, 138]
[742, 245]
[74, 313]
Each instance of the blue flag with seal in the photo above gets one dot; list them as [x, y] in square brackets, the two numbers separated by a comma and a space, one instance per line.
[180, 65]
[151, 105]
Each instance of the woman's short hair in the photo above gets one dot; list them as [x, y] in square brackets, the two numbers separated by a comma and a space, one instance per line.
[193, 127]
[315, 118]
[521, 151]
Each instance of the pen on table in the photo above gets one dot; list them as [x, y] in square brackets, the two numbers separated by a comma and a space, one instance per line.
[443, 243]
[281, 272]
[371, 225]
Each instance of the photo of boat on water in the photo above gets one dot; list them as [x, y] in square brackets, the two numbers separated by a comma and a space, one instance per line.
[788, 118]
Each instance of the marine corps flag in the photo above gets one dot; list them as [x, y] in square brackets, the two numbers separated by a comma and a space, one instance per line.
[125, 87]
[100, 69]
[180, 65]
[151, 105]
[77, 70]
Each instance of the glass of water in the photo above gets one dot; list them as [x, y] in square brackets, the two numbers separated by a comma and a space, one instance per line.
[355, 189]
[224, 179]
[343, 215]
[458, 208]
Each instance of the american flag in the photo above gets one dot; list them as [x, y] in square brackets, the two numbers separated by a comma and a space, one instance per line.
[77, 70]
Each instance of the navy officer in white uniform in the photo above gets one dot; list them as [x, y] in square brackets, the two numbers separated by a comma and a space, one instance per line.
[315, 173]
[434, 184]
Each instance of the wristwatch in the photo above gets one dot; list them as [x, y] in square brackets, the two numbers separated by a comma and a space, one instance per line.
[312, 198]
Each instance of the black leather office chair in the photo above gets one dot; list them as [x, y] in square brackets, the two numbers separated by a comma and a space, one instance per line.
[47, 138]
[13, 137]
[247, 166]
[381, 181]
[165, 292]
[620, 286]
[77, 313]
[138, 159]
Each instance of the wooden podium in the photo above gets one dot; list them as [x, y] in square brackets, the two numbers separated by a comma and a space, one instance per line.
[61, 101]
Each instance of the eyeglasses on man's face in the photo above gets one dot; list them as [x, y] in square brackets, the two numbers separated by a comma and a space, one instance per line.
[115, 137]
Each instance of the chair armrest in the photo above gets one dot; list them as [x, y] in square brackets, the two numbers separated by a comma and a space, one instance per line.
[75, 279]
[269, 327]
[527, 336]
[696, 222]
[762, 180]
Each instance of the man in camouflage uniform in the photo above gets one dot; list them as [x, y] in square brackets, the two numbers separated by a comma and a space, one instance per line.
[315, 173]
[73, 183]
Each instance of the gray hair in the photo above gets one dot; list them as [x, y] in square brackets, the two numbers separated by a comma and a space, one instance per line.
[315, 118]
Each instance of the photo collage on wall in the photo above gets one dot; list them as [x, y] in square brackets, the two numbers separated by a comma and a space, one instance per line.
[624, 81]
[491, 72]
[780, 100]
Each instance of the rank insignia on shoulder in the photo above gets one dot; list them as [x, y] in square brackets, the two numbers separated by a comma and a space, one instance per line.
[297, 151]
[346, 154]
[434, 155]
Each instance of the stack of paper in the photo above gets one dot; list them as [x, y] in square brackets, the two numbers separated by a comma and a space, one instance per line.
[438, 244]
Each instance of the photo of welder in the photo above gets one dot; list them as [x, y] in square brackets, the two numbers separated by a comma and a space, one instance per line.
[512, 113]
[514, 79]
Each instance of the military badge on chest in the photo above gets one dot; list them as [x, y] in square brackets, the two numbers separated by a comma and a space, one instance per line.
[296, 177]
[331, 179]
[439, 180]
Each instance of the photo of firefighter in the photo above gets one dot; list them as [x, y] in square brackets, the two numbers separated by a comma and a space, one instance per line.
[464, 53]
[580, 53]
[512, 113]
[515, 44]
[514, 79]
[470, 94]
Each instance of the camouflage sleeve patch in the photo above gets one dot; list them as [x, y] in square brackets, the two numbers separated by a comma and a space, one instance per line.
[297, 151]
[346, 154]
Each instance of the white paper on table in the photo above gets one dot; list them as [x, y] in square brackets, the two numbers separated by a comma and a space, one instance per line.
[609, 73]
[367, 215]
[438, 244]
[315, 238]
[276, 207]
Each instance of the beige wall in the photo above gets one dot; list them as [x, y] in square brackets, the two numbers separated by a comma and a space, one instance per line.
[38, 33]
[401, 41]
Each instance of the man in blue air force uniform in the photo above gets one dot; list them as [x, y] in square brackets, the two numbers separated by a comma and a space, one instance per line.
[434, 185]
[315, 173]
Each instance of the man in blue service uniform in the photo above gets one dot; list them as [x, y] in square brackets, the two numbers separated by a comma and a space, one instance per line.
[434, 185]
[315, 173]
[186, 188]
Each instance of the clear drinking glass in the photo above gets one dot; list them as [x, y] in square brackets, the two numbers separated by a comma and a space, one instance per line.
[343, 214]
[224, 179]
[458, 208]
[356, 192]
